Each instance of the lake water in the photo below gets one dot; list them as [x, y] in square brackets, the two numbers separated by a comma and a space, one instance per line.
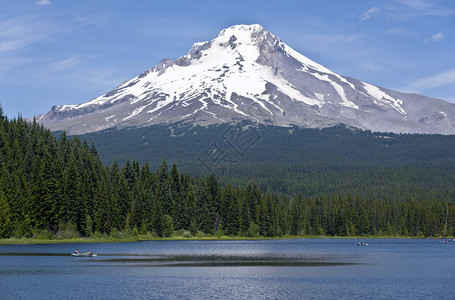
[270, 269]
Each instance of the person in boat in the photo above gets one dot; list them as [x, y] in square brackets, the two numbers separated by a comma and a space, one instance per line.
[77, 252]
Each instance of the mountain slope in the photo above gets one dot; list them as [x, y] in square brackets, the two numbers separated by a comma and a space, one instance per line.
[247, 73]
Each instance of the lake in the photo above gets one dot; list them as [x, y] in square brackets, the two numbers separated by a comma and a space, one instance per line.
[260, 269]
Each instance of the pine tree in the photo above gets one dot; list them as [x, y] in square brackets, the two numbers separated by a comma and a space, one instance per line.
[163, 189]
[215, 206]
[46, 195]
[105, 209]
[5, 216]
[122, 190]
[231, 221]
[73, 209]
[203, 215]
[264, 218]
[129, 174]
[158, 216]
[253, 198]
[295, 216]
[244, 215]
[189, 202]
[178, 211]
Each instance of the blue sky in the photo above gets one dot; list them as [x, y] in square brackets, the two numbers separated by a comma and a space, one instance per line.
[56, 52]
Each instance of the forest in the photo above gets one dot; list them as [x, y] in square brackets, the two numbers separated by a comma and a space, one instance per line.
[58, 187]
[292, 160]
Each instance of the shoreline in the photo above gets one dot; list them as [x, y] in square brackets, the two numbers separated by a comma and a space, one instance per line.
[101, 240]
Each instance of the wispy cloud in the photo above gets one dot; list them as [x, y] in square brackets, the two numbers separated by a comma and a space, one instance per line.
[43, 2]
[18, 34]
[82, 72]
[437, 37]
[427, 83]
[404, 10]
[333, 39]
[411, 9]
[401, 32]
[65, 64]
[24, 44]
[416, 4]
[372, 12]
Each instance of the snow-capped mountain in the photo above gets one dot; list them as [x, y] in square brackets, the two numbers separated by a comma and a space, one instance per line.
[247, 73]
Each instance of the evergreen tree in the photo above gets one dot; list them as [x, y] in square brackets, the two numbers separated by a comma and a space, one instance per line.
[189, 202]
[105, 208]
[74, 210]
[203, 216]
[46, 195]
[244, 214]
[264, 217]
[5, 216]
[158, 216]
[177, 196]
[231, 218]
[163, 189]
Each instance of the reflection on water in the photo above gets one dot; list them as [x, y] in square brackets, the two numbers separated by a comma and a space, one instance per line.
[32, 254]
[226, 261]
[128, 260]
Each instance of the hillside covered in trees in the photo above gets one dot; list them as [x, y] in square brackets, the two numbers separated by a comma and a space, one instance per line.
[58, 187]
[292, 160]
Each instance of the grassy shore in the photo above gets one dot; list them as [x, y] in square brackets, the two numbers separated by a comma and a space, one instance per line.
[109, 239]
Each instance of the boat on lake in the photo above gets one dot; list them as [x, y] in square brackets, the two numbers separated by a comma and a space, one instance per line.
[362, 244]
[86, 254]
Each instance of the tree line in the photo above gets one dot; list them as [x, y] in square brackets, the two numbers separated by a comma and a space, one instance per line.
[58, 187]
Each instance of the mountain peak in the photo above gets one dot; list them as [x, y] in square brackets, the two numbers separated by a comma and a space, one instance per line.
[245, 34]
[253, 29]
[247, 73]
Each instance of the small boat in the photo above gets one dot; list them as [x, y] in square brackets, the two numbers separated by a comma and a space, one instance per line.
[362, 244]
[86, 254]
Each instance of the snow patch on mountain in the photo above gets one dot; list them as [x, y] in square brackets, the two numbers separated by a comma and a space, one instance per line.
[338, 88]
[379, 95]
